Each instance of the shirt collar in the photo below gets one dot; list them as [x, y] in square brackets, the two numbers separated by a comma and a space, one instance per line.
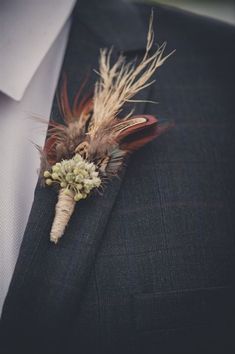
[30, 27]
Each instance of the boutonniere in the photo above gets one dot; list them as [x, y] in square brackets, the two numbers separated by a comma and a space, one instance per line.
[93, 143]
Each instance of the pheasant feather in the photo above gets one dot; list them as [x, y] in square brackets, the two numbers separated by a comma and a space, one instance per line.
[93, 143]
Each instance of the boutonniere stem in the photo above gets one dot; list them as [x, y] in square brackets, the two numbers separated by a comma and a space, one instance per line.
[76, 178]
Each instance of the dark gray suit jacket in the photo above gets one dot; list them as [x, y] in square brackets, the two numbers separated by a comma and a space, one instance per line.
[149, 266]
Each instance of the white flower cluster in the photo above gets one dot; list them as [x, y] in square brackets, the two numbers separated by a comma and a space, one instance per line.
[76, 175]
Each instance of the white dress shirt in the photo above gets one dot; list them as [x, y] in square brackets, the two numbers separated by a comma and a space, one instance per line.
[32, 46]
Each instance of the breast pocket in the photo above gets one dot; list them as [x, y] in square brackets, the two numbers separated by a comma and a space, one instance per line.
[185, 321]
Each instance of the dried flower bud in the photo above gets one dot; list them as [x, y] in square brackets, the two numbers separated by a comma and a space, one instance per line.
[46, 174]
[49, 181]
[75, 175]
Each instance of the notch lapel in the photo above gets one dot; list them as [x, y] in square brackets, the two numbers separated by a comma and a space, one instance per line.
[49, 279]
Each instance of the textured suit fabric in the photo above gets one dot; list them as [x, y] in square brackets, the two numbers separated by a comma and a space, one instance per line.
[149, 266]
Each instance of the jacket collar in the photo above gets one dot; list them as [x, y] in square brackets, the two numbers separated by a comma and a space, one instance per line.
[115, 23]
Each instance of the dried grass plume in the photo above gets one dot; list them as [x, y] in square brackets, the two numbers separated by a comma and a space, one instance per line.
[119, 82]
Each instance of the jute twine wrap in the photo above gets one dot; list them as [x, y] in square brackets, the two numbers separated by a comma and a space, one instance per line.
[63, 211]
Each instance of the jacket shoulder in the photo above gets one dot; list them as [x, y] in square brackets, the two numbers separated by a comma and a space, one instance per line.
[177, 20]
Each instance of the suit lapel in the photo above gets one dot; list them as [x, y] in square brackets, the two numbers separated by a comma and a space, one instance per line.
[48, 279]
